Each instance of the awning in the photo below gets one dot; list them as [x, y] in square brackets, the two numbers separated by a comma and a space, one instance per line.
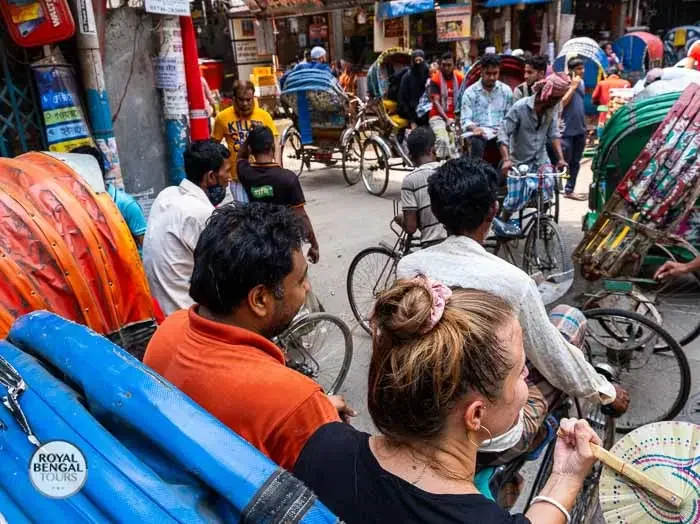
[399, 8]
[504, 3]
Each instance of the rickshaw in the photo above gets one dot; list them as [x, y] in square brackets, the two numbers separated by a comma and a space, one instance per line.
[595, 62]
[382, 152]
[126, 444]
[328, 126]
[646, 154]
[65, 248]
[639, 52]
[677, 42]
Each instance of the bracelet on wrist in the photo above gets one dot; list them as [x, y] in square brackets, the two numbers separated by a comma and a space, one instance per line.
[555, 503]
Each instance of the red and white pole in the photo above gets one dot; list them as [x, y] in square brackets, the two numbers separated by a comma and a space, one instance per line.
[199, 119]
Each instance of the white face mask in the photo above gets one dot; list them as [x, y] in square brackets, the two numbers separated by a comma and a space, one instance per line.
[505, 441]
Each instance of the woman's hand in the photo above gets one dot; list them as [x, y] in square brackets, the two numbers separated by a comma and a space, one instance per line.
[573, 456]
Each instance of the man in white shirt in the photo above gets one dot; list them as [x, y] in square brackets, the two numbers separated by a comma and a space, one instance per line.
[176, 220]
[463, 197]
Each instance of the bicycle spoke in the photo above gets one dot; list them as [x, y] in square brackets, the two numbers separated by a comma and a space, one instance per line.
[370, 273]
[630, 344]
[317, 346]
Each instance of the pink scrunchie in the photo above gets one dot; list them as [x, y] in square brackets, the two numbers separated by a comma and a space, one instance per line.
[440, 294]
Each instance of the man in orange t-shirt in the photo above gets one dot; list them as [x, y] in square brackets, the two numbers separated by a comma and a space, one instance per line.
[249, 281]
[601, 94]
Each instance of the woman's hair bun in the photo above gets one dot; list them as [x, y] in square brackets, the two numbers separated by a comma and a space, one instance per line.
[403, 310]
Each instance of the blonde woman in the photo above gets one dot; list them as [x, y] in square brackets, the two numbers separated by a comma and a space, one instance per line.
[447, 377]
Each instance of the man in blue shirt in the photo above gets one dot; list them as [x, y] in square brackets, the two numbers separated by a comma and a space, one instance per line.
[574, 118]
[484, 106]
[128, 206]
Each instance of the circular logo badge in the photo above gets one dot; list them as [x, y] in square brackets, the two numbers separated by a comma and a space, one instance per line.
[58, 469]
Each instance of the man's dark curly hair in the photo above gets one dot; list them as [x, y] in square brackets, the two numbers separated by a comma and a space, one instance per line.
[490, 60]
[462, 193]
[240, 248]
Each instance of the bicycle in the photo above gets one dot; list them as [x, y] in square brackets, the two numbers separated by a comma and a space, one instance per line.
[374, 269]
[318, 345]
[613, 359]
[545, 251]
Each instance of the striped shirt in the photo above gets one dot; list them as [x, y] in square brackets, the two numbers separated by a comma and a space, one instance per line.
[414, 197]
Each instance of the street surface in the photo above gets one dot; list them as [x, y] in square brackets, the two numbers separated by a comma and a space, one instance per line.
[349, 219]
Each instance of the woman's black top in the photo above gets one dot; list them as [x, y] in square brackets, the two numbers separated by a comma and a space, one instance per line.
[339, 466]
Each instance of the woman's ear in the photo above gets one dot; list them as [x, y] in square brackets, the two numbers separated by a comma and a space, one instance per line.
[474, 413]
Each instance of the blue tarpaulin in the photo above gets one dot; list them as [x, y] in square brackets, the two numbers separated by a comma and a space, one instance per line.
[503, 3]
[399, 8]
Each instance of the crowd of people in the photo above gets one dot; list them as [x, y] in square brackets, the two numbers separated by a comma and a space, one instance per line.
[488, 119]
[466, 362]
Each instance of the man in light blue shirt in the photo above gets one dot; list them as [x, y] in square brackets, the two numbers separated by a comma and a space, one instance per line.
[484, 106]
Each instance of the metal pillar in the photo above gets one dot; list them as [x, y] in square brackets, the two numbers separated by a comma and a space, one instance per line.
[97, 100]
[174, 97]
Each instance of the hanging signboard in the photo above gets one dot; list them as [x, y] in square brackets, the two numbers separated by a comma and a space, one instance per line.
[33, 23]
[168, 7]
[393, 28]
[454, 22]
[247, 52]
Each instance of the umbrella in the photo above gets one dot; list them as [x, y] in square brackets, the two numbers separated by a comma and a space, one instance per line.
[668, 452]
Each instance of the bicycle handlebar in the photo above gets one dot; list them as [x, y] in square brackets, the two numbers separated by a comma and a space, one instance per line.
[558, 174]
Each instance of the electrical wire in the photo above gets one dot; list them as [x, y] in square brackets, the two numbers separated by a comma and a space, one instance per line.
[137, 35]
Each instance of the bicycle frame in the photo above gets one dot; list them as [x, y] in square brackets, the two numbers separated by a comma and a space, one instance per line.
[536, 217]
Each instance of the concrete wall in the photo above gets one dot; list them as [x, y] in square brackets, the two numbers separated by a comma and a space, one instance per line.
[139, 128]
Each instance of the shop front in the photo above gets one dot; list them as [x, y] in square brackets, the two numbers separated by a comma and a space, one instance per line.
[434, 27]
[519, 24]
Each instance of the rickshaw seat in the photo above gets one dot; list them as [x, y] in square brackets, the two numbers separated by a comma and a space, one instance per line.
[399, 122]
[390, 106]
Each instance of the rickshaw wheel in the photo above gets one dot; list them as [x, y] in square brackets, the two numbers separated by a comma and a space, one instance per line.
[292, 153]
[352, 157]
[374, 167]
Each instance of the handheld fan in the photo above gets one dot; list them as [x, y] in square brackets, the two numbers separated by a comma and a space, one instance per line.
[668, 452]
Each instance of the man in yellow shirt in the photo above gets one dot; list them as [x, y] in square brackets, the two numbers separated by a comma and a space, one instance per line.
[234, 124]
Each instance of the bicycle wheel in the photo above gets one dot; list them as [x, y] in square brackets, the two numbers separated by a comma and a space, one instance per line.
[319, 345]
[292, 153]
[546, 251]
[676, 300]
[645, 360]
[352, 154]
[372, 271]
[374, 167]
